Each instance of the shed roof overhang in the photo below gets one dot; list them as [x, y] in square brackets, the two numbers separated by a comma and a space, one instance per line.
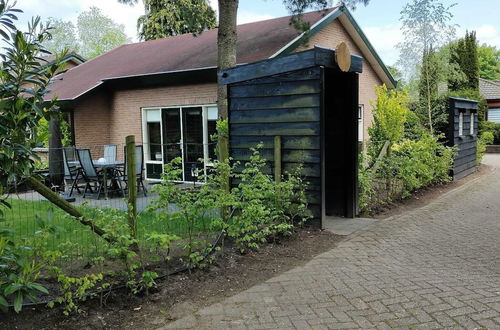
[318, 56]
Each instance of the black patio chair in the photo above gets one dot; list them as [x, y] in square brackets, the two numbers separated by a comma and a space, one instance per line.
[139, 165]
[90, 173]
[110, 152]
[72, 172]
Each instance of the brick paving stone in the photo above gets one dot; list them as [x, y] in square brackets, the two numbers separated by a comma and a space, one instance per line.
[434, 267]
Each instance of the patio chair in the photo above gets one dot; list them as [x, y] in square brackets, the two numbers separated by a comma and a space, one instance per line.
[110, 152]
[139, 164]
[72, 173]
[89, 172]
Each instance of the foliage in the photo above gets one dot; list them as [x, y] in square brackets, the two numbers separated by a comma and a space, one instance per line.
[63, 36]
[415, 159]
[166, 18]
[493, 128]
[464, 54]
[489, 62]
[428, 86]
[43, 134]
[18, 274]
[23, 86]
[389, 116]
[98, 33]
[93, 35]
[485, 139]
[426, 25]
[265, 208]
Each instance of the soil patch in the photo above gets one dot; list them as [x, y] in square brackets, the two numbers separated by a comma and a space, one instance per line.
[425, 196]
[181, 294]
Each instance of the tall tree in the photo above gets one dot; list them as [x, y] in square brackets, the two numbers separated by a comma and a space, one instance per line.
[428, 84]
[98, 33]
[63, 35]
[94, 34]
[465, 56]
[489, 62]
[426, 26]
[164, 18]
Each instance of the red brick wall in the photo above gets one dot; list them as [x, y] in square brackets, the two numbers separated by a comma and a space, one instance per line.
[92, 120]
[329, 37]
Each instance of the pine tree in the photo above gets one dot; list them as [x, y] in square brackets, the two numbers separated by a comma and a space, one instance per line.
[464, 55]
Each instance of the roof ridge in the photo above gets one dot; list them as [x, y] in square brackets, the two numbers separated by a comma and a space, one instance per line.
[238, 25]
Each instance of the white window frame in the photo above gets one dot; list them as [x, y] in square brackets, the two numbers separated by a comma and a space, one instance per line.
[206, 138]
[361, 126]
[472, 115]
[460, 123]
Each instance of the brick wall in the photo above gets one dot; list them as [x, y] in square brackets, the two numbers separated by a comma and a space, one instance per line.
[329, 37]
[92, 120]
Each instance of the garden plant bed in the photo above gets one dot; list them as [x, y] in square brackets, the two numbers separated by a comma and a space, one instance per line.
[180, 294]
[425, 196]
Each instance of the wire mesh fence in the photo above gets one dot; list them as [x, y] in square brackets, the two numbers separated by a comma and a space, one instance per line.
[94, 180]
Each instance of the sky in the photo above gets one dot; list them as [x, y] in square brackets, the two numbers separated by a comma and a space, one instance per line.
[379, 20]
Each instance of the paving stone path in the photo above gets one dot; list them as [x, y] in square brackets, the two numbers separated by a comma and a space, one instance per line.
[435, 267]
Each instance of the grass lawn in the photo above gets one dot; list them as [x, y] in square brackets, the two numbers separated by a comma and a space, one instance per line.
[76, 240]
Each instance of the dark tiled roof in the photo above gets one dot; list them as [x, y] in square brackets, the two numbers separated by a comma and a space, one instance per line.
[256, 41]
[490, 90]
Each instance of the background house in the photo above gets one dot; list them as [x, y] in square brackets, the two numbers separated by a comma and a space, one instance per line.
[490, 90]
[164, 91]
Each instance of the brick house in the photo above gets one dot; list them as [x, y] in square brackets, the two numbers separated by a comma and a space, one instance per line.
[490, 90]
[164, 91]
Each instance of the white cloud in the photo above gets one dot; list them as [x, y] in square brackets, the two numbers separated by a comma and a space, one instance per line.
[488, 34]
[245, 16]
[384, 39]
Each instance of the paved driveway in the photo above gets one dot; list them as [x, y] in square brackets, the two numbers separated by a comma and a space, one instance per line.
[435, 267]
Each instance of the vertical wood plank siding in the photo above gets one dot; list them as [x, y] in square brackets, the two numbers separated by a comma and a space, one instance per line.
[465, 160]
[286, 105]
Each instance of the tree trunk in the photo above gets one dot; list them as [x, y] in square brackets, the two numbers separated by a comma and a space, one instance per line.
[226, 47]
[56, 166]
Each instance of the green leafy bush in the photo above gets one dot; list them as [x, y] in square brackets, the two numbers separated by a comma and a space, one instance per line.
[493, 128]
[414, 157]
[485, 139]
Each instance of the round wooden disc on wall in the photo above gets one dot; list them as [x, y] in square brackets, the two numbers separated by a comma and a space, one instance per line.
[343, 57]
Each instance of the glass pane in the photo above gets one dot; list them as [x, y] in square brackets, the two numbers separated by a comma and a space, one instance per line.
[211, 127]
[193, 141]
[212, 113]
[153, 115]
[172, 133]
[154, 136]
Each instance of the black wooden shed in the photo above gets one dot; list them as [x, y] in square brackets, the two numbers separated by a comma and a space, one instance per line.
[306, 100]
[462, 133]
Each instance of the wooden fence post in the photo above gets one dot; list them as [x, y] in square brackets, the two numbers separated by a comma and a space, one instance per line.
[132, 184]
[55, 199]
[277, 159]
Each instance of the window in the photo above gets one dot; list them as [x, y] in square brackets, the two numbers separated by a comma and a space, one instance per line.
[153, 135]
[472, 123]
[361, 128]
[212, 116]
[461, 124]
[494, 115]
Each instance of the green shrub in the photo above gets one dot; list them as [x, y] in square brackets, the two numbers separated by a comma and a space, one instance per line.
[485, 139]
[494, 128]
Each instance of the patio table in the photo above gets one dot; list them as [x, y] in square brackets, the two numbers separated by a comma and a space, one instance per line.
[105, 165]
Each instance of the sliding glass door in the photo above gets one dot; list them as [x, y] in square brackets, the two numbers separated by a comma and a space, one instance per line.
[185, 133]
